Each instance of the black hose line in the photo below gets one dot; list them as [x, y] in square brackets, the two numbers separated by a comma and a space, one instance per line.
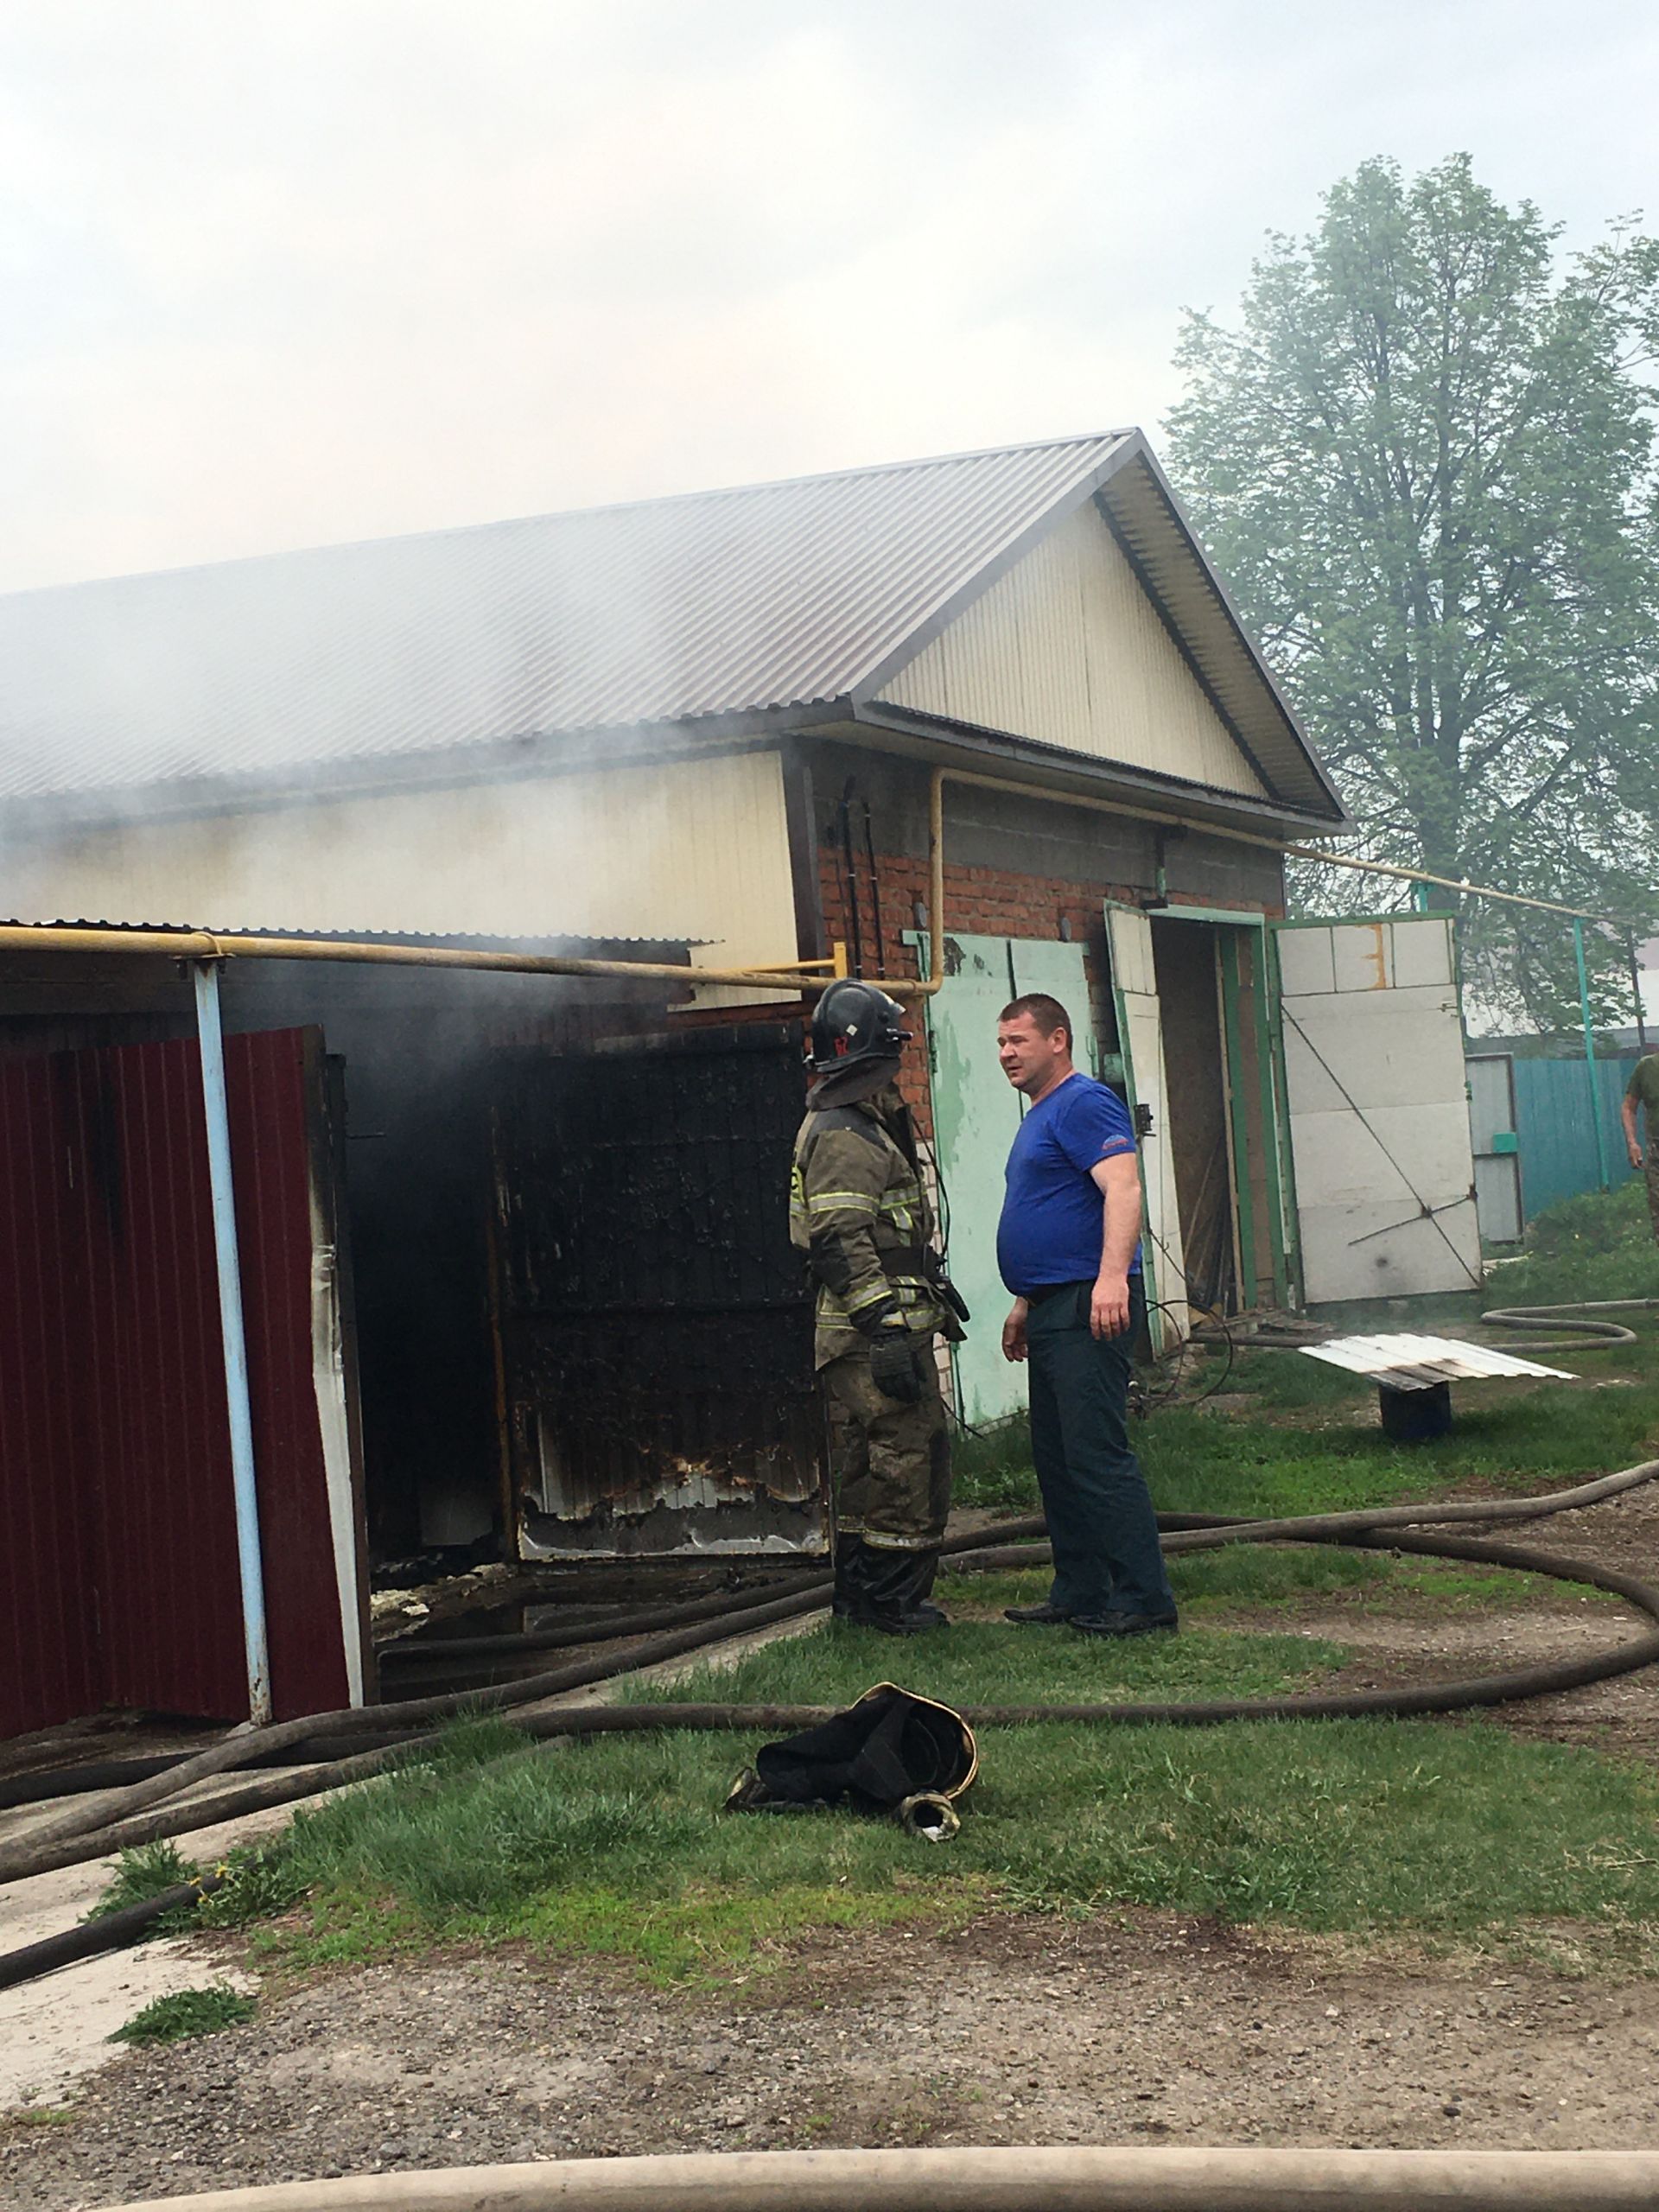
[110, 1931]
[347, 1762]
[377, 1727]
[82, 1831]
[44, 1782]
[1570, 1334]
[1624, 1657]
[439, 1649]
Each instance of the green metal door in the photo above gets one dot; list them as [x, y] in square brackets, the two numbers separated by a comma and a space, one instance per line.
[975, 1115]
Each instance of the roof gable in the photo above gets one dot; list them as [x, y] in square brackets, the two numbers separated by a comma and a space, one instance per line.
[1067, 649]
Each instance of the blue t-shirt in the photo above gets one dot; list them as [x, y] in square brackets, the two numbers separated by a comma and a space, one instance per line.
[1050, 1226]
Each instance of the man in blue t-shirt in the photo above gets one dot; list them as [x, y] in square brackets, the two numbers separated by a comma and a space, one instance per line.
[1068, 1247]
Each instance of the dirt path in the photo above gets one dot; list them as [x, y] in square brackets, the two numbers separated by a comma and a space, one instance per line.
[1142, 2028]
[1398, 1638]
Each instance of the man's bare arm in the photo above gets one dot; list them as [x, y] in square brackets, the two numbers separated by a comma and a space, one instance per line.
[1627, 1116]
[1118, 1182]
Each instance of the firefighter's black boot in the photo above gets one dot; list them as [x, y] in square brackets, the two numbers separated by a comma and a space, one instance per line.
[918, 1595]
[891, 1592]
[844, 1605]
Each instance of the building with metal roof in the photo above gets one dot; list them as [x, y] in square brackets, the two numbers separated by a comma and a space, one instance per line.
[515, 1260]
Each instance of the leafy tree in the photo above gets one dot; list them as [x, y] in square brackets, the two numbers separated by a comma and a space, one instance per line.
[1425, 457]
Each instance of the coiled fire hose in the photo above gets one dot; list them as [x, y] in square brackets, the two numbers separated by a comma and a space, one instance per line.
[1570, 1333]
[144, 1813]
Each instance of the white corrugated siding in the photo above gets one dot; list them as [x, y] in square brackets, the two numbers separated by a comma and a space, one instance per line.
[682, 850]
[1068, 649]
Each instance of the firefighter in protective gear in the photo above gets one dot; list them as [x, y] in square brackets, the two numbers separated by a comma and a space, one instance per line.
[858, 1211]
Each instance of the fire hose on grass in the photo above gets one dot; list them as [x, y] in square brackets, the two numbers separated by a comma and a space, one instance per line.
[307, 1742]
[83, 1833]
[145, 1813]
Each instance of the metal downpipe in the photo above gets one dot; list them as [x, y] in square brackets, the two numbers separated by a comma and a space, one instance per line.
[250, 1561]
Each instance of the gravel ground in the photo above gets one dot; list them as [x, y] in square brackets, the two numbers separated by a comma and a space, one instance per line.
[1143, 2029]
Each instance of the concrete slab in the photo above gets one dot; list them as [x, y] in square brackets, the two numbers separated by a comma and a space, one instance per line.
[54, 2031]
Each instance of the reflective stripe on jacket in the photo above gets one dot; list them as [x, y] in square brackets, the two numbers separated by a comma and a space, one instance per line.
[858, 1211]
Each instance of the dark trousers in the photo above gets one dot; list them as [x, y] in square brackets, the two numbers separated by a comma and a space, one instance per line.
[1099, 1515]
[892, 1462]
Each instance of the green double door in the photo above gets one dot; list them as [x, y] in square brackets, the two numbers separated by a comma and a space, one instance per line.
[975, 1114]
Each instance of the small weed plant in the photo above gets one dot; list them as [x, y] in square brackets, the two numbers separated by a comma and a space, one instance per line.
[202, 2011]
[146, 1872]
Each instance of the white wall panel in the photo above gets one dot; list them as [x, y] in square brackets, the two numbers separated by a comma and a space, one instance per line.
[686, 848]
[1067, 648]
[1379, 1121]
[1140, 1039]
[1398, 1053]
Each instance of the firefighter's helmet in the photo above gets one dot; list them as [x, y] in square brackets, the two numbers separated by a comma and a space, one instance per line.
[855, 1023]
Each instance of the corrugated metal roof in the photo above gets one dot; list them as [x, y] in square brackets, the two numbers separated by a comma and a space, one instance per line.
[764, 597]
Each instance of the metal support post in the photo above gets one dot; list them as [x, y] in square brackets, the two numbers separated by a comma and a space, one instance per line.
[211, 1037]
[1590, 1075]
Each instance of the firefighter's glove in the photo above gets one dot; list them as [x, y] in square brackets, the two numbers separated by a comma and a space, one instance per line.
[893, 1365]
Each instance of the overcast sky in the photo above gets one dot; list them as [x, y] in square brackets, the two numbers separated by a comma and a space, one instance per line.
[282, 274]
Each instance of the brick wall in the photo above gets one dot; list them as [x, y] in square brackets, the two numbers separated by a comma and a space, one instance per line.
[978, 902]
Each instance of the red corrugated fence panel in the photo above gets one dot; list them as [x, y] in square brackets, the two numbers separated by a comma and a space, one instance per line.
[48, 1625]
[119, 1574]
[274, 1080]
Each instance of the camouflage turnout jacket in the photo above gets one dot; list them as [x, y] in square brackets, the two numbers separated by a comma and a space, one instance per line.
[858, 1211]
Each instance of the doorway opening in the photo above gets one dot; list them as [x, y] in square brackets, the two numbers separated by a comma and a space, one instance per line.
[1222, 1129]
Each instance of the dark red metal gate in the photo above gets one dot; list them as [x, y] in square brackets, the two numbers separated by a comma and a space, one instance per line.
[118, 1578]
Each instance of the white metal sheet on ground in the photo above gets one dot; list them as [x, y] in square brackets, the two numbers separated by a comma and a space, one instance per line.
[1407, 1363]
[1379, 1126]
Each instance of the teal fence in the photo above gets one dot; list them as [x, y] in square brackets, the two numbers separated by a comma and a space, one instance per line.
[1556, 1133]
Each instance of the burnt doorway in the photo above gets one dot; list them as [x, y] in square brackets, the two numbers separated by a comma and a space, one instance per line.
[654, 1324]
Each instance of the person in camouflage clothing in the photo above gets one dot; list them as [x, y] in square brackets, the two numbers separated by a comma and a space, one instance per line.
[1641, 1093]
[859, 1213]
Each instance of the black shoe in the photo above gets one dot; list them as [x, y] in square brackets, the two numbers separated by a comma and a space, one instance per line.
[1114, 1623]
[1042, 1616]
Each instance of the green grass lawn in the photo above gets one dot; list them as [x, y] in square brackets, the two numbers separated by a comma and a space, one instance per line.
[1309, 1440]
[619, 1846]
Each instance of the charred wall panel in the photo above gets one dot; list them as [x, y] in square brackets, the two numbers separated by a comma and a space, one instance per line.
[656, 1326]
